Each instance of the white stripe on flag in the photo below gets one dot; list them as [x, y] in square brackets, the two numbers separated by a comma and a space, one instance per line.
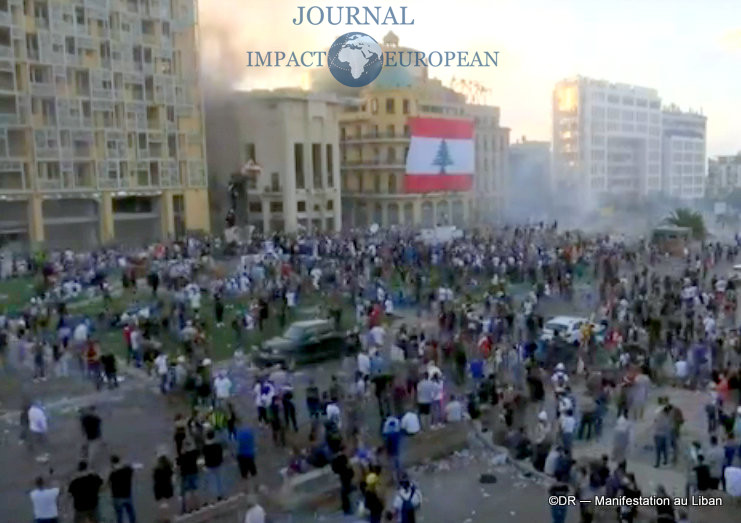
[427, 154]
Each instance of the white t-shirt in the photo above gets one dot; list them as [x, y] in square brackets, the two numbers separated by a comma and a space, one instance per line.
[81, 332]
[454, 412]
[255, 515]
[161, 363]
[410, 423]
[680, 368]
[45, 503]
[333, 413]
[568, 424]
[37, 420]
[364, 363]
[223, 386]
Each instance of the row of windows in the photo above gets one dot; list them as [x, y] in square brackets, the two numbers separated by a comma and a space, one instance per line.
[626, 100]
[256, 207]
[373, 131]
[390, 106]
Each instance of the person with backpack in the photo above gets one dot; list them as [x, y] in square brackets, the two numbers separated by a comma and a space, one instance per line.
[407, 501]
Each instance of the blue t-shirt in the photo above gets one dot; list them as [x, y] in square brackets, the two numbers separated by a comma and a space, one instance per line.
[477, 369]
[245, 443]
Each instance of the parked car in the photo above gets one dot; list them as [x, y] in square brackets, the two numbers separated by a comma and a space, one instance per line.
[303, 342]
[569, 329]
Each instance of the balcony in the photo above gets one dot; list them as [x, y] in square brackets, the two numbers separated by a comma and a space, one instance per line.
[6, 51]
[43, 89]
[373, 164]
[377, 138]
[11, 119]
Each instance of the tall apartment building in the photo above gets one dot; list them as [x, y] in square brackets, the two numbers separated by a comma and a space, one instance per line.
[293, 136]
[101, 135]
[606, 140]
[528, 188]
[724, 175]
[375, 139]
[684, 172]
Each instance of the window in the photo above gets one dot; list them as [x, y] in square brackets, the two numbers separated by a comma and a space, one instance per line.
[377, 183]
[374, 106]
[390, 106]
[405, 106]
[392, 183]
[250, 152]
[316, 164]
[298, 157]
[276, 206]
[330, 205]
[390, 131]
[391, 154]
[275, 182]
[256, 207]
[80, 15]
[407, 132]
[330, 166]
[343, 133]
[301, 206]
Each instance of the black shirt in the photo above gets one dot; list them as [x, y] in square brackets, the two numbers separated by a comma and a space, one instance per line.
[188, 462]
[703, 477]
[213, 454]
[120, 480]
[84, 491]
[162, 476]
[91, 426]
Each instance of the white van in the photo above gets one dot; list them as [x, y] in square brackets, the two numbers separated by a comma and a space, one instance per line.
[567, 327]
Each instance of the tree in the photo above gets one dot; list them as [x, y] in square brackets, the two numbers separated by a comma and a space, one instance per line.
[442, 158]
[683, 217]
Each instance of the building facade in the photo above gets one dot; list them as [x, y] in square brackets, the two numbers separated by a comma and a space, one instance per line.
[102, 128]
[684, 172]
[528, 187]
[374, 138]
[293, 136]
[724, 176]
[606, 140]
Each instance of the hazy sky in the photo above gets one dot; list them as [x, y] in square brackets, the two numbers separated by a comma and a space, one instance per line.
[689, 50]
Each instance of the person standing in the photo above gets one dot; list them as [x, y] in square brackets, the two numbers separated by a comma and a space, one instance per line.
[222, 389]
[246, 453]
[188, 465]
[426, 393]
[662, 431]
[120, 482]
[45, 502]
[276, 422]
[85, 492]
[213, 454]
[38, 426]
[160, 364]
[558, 512]
[90, 422]
[162, 484]
[289, 408]
[407, 501]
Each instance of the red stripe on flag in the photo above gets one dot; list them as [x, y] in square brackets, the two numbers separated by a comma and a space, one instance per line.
[452, 128]
[423, 183]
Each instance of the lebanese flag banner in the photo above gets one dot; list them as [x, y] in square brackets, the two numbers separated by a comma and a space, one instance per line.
[441, 155]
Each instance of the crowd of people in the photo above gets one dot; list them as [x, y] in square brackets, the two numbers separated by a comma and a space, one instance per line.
[470, 346]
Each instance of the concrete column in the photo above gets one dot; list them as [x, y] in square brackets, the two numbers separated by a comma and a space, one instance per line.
[196, 210]
[167, 216]
[417, 206]
[36, 219]
[105, 216]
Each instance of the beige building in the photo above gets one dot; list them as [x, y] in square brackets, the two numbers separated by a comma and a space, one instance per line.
[293, 136]
[375, 141]
[101, 127]
[724, 175]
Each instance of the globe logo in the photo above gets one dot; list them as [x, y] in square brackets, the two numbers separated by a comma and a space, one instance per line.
[355, 59]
